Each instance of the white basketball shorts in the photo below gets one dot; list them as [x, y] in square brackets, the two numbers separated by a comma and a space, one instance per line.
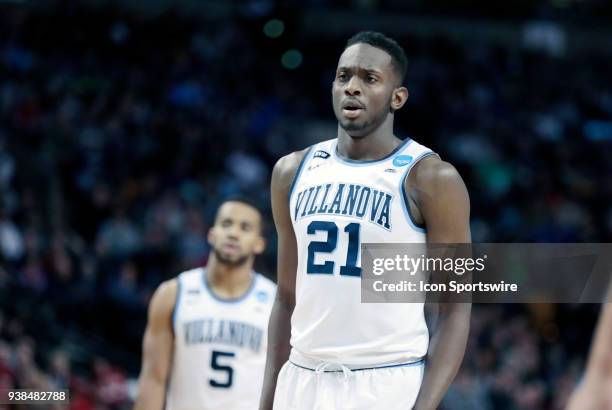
[335, 387]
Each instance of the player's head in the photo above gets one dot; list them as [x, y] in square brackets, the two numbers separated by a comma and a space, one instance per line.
[236, 237]
[367, 88]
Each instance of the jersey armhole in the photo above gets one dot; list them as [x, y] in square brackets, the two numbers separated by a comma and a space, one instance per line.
[405, 201]
[296, 177]
[176, 304]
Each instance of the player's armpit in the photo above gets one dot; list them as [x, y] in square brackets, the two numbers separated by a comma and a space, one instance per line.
[279, 329]
[157, 348]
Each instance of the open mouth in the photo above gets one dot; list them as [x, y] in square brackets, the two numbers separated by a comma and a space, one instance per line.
[230, 247]
[352, 109]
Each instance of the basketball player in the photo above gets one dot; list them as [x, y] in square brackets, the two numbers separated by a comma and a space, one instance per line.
[595, 391]
[206, 334]
[366, 185]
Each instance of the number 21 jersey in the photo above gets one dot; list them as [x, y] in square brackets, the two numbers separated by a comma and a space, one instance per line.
[337, 204]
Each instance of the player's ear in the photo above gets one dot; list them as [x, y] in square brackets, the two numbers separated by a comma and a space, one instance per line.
[211, 236]
[260, 245]
[399, 98]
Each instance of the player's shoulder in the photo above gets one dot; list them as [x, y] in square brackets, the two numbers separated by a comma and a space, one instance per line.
[167, 291]
[440, 181]
[163, 299]
[190, 275]
[434, 171]
[285, 171]
[287, 166]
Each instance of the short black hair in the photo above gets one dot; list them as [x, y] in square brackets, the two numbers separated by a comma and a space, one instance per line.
[241, 198]
[387, 44]
[246, 201]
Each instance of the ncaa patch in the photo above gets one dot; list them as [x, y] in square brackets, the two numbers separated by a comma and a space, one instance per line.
[261, 296]
[402, 160]
[321, 154]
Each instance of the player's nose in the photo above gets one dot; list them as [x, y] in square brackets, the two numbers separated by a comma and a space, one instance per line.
[232, 232]
[353, 86]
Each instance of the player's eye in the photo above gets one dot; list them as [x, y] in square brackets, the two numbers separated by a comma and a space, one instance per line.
[371, 79]
[226, 224]
[342, 76]
[246, 227]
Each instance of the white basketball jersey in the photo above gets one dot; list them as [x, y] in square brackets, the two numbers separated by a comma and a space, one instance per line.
[219, 345]
[336, 205]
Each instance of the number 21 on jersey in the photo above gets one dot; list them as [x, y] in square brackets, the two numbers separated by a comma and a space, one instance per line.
[351, 231]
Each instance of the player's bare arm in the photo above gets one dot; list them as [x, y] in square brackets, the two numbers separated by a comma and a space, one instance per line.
[441, 201]
[595, 391]
[157, 348]
[279, 329]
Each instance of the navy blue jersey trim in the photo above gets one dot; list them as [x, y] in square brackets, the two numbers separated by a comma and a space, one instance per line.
[406, 204]
[177, 301]
[363, 368]
[238, 299]
[349, 161]
[299, 171]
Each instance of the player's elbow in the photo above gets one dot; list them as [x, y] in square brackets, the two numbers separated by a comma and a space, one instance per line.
[150, 380]
[151, 391]
[458, 312]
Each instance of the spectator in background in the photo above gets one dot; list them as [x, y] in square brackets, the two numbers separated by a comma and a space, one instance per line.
[193, 247]
[11, 240]
[118, 237]
[7, 374]
[111, 389]
[59, 370]
[123, 287]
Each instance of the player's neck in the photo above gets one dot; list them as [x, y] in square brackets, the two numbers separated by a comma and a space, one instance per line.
[373, 146]
[226, 281]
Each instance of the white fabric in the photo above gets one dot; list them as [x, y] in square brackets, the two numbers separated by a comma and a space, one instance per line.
[236, 330]
[329, 322]
[391, 388]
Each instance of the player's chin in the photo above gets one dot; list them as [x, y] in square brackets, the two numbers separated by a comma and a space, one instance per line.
[234, 259]
[352, 124]
[355, 129]
[228, 257]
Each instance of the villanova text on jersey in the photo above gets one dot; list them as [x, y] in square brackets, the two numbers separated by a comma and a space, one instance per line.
[223, 332]
[354, 200]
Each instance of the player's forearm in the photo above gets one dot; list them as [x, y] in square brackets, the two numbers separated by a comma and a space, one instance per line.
[594, 393]
[599, 366]
[279, 331]
[598, 374]
[151, 394]
[445, 355]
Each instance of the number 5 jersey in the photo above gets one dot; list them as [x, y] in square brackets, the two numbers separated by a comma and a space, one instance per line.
[219, 345]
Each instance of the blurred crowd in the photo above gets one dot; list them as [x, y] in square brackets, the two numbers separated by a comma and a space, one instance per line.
[120, 135]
